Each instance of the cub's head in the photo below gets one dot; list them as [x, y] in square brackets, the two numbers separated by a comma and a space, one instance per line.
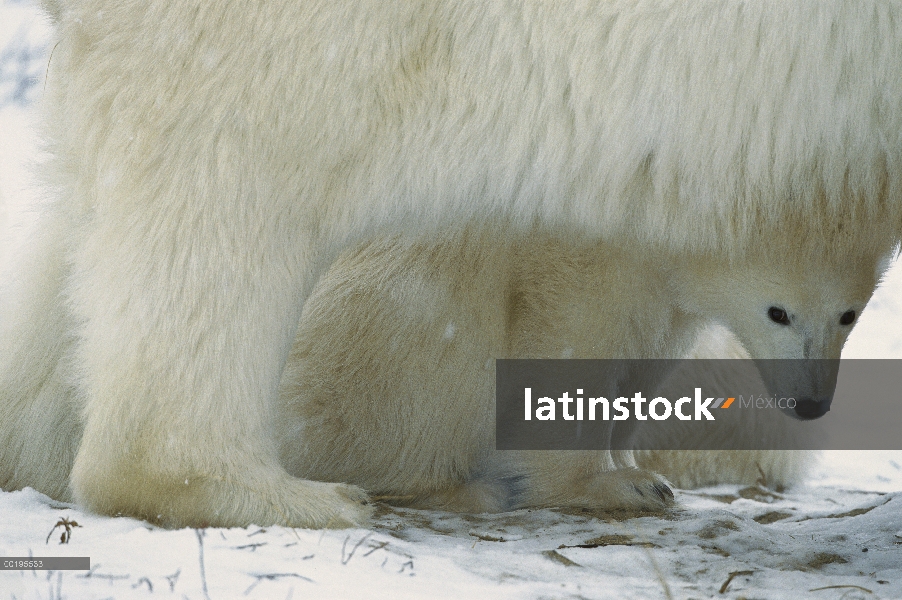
[786, 307]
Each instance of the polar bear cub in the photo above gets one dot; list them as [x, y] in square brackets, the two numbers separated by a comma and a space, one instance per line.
[390, 384]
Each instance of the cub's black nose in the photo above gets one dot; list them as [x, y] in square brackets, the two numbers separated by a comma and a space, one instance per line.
[809, 408]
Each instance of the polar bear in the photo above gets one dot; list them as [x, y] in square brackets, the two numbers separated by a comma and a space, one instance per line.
[391, 382]
[209, 162]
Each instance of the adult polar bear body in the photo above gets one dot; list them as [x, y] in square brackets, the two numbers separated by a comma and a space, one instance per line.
[210, 161]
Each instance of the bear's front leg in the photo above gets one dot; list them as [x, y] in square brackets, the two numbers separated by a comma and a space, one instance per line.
[187, 320]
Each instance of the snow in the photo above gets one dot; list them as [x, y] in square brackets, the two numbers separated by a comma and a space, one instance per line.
[782, 546]
[837, 536]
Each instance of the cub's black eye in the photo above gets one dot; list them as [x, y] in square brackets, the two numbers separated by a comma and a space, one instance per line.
[778, 315]
[847, 318]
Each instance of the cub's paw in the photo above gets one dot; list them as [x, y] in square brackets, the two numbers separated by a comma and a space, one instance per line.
[623, 490]
[633, 489]
[661, 489]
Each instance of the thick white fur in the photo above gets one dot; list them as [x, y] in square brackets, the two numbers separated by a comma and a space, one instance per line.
[210, 161]
[390, 384]
[696, 468]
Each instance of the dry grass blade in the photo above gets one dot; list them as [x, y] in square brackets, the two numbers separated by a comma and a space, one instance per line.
[841, 587]
[733, 575]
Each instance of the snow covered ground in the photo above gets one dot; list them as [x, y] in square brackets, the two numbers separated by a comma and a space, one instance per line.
[838, 536]
[815, 542]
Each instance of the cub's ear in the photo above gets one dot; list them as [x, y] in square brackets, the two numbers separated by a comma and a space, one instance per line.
[54, 9]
